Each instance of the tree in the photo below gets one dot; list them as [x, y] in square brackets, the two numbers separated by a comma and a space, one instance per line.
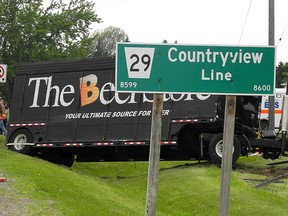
[31, 32]
[105, 41]
[281, 74]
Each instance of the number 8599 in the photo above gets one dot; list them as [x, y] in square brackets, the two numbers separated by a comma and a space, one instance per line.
[128, 85]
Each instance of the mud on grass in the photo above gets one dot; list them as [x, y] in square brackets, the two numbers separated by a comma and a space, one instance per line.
[11, 203]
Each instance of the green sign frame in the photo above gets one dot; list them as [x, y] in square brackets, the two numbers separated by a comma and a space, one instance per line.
[174, 68]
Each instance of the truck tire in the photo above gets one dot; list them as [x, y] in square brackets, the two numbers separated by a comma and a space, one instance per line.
[270, 155]
[216, 149]
[264, 125]
[21, 136]
[66, 159]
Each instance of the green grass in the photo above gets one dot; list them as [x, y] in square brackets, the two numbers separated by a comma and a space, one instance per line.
[185, 188]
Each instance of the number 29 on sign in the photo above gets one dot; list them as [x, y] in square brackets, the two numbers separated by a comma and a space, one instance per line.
[139, 62]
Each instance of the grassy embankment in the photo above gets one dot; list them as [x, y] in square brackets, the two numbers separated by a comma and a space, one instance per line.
[36, 187]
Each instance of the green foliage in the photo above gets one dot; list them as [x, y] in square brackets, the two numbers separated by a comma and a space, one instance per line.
[105, 41]
[32, 32]
[281, 74]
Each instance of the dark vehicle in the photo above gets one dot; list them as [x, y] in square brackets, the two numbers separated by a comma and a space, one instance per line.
[69, 110]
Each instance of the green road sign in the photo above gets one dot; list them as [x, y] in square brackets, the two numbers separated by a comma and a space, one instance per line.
[173, 68]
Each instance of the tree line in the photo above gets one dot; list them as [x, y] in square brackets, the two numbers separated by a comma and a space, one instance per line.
[32, 31]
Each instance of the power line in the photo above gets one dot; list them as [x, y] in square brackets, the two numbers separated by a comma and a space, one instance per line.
[280, 39]
[245, 22]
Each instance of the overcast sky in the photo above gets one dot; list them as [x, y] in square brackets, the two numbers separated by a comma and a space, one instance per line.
[205, 22]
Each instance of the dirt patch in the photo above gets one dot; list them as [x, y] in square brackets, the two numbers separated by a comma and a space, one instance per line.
[10, 202]
[187, 165]
[269, 171]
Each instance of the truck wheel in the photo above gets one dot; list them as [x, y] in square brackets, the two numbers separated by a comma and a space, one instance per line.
[19, 137]
[216, 149]
[270, 155]
[264, 125]
[66, 159]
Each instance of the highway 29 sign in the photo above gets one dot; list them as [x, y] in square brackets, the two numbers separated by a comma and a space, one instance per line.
[3, 73]
[174, 68]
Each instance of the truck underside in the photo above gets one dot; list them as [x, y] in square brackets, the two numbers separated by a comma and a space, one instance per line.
[194, 141]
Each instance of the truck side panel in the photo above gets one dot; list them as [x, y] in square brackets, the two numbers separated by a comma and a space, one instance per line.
[65, 103]
[80, 104]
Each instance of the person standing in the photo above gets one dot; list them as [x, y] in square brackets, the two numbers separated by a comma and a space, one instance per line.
[3, 116]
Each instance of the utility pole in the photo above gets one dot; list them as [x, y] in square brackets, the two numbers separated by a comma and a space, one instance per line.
[271, 99]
